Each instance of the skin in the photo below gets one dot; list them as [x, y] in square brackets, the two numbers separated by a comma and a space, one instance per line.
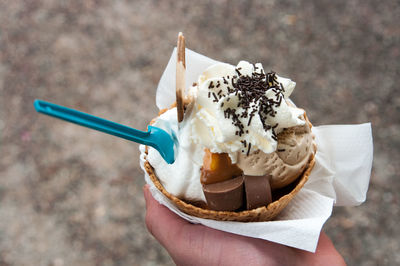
[193, 244]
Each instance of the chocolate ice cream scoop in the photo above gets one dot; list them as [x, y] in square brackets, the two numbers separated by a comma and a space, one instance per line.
[286, 164]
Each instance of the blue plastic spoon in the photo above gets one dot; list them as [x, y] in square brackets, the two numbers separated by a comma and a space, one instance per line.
[155, 137]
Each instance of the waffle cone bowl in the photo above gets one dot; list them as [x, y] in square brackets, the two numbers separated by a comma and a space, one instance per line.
[281, 197]
[265, 213]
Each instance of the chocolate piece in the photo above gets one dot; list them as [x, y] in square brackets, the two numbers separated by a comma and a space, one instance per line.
[258, 191]
[226, 195]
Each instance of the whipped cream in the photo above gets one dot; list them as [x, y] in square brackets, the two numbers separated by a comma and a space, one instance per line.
[241, 108]
[182, 178]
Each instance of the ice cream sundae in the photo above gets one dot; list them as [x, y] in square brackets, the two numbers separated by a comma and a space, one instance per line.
[243, 149]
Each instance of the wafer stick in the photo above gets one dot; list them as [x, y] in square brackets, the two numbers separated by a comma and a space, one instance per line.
[180, 76]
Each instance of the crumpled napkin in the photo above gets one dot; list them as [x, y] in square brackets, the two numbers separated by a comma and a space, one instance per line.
[340, 176]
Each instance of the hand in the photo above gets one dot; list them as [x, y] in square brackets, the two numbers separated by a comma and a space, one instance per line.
[193, 244]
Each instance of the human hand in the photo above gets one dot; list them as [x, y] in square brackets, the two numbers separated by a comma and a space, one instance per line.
[194, 244]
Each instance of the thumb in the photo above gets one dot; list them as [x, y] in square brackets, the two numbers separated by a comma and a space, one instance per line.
[185, 242]
[163, 224]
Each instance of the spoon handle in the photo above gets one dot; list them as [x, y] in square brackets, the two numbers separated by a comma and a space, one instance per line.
[93, 122]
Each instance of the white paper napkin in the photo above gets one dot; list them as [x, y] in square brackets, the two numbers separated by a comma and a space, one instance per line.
[341, 174]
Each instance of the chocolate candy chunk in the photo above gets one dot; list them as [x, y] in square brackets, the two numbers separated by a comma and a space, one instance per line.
[258, 191]
[226, 195]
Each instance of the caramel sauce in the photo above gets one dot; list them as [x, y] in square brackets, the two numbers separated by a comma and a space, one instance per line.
[217, 167]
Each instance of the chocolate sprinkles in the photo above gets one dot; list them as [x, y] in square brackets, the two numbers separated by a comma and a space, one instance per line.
[248, 150]
[215, 97]
[252, 100]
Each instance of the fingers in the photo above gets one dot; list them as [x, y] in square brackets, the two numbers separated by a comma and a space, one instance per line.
[163, 224]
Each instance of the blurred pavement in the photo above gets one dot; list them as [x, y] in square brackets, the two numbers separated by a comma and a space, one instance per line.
[72, 196]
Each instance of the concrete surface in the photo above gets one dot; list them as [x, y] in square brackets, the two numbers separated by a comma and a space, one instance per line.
[71, 196]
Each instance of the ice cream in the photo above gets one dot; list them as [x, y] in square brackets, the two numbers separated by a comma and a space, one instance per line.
[295, 146]
[239, 128]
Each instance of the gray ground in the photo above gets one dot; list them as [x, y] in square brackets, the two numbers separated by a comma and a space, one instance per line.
[70, 196]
